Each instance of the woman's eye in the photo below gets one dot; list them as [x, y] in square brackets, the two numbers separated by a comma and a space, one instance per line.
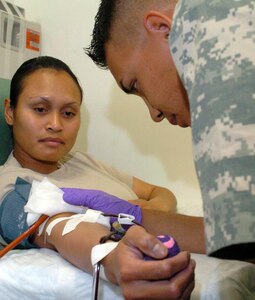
[40, 109]
[68, 114]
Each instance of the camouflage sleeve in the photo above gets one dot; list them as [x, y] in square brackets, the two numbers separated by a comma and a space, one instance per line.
[213, 46]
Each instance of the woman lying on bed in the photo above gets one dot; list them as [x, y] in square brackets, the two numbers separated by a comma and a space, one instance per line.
[44, 113]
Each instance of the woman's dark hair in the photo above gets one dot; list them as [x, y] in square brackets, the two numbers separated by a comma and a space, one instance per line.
[32, 65]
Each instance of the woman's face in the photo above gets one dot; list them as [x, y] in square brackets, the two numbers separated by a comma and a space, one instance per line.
[46, 119]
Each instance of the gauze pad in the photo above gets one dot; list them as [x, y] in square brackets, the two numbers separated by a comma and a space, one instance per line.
[45, 198]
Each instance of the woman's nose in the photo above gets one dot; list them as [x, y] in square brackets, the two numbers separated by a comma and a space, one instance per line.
[54, 122]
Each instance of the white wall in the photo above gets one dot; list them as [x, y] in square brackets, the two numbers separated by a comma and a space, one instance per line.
[116, 127]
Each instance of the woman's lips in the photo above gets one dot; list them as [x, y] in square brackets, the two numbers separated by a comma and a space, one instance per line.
[52, 141]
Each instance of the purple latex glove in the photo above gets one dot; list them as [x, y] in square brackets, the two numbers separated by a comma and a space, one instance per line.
[101, 201]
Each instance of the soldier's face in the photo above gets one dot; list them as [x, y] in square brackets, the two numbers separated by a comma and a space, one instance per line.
[147, 70]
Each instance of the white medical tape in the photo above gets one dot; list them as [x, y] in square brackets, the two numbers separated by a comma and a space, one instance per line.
[91, 216]
[41, 227]
[53, 223]
[99, 252]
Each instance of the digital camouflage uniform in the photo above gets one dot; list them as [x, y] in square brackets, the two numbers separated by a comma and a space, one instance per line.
[213, 46]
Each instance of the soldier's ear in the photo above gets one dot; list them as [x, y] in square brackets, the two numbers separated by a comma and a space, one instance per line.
[158, 23]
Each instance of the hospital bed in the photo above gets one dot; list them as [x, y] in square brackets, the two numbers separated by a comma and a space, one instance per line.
[43, 274]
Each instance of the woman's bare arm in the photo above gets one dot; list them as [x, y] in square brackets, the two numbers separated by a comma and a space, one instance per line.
[75, 246]
[153, 196]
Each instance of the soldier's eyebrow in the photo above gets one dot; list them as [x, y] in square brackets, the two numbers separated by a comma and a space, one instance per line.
[125, 89]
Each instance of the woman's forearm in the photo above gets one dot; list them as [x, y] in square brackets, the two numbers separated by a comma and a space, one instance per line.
[75, 246]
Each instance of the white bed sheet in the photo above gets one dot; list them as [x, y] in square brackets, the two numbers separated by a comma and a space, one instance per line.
[40, 274]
